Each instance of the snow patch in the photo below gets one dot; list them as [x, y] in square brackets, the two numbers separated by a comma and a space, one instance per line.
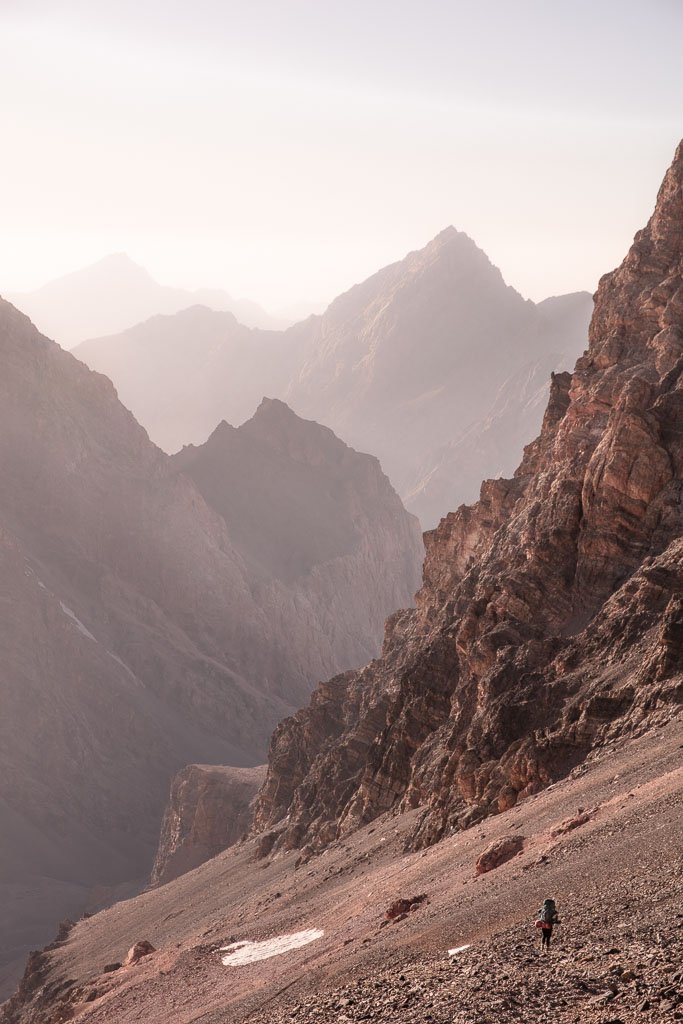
[459, 949]
[123, 665]
[240, 953]
[77, 622]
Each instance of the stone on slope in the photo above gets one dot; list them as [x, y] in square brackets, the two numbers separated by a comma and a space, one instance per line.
[499, 852]
[139, 950]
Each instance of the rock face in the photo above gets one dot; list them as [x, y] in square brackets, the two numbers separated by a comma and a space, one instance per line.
[550, 614]
[116, 293]
[209, 810]
[329, 547]
[434, 365]
[137, 635]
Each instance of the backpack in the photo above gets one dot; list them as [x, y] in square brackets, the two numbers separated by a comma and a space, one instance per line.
[547, 914]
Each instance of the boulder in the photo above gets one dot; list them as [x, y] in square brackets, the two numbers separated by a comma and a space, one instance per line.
[140, 949]
[498, 852]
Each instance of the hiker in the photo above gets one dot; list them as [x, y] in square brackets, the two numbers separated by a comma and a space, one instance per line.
[547, 917]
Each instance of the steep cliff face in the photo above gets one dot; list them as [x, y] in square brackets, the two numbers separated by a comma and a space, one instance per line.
[550, 615]
[209, 809]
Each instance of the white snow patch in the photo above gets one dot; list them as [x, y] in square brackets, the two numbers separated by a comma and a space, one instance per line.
[79, 625]
[459, 949]
[240, 953]
[123, 665]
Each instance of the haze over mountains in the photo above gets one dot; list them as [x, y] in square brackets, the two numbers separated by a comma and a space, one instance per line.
[535, 692]
[143, 628]
[434, 364]
[116, 293]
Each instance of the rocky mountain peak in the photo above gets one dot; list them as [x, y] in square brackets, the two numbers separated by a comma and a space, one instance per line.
[275, 424]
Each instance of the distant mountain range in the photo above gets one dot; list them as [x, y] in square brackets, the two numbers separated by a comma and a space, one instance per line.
[159, 612]
[434, 364]
[115, 293]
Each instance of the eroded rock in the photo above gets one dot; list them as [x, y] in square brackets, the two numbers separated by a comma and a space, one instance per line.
[499, 852]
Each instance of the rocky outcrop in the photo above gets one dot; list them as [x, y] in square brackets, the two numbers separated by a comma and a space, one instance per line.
[434, 365]
[549, 617]
[209, 809]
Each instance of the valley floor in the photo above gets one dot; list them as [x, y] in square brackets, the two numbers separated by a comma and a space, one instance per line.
[618, 955]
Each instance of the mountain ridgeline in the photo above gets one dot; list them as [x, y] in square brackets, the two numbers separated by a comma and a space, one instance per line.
[115, 293]
[434, 365]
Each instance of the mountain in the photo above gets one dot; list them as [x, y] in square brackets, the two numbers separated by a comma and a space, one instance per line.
[180, 375]
[137, 634]
[328, 546]
[519, 735]
[493, 443]
[420, 365]
[550, 619]
[620, 860]
[417, 354]
[116, 293]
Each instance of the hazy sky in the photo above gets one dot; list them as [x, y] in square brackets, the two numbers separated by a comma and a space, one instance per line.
[284, 149]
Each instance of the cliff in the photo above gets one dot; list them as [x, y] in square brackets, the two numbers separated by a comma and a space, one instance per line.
[550, 617]
[209, 809]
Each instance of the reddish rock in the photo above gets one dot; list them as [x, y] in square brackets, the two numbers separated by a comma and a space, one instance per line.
[209, 809]
[499, 852]
[138, 951]
[570, 824]
[399, 908]
[549, 620]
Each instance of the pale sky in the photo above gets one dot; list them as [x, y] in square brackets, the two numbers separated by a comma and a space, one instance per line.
[285, 149]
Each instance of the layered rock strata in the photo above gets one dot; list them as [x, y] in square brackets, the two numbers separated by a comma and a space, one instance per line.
[551, 611]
